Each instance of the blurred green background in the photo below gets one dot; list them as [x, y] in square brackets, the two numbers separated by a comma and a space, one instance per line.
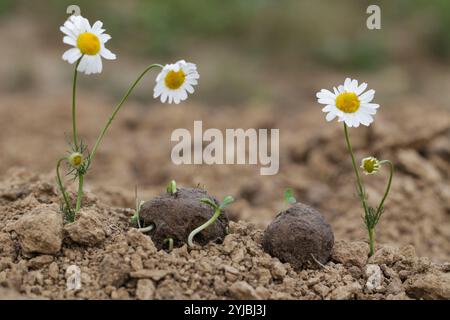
[250, 50]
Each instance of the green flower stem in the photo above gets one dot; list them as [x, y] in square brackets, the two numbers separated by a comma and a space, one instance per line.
[371, 241]
[388, 188]
[80, 192]
[358, 177]
[116, 110]
[216, 215]
[105, 128]
[74, 117]
[61, 185]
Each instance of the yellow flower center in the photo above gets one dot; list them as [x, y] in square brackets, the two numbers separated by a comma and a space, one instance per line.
[88, 43]
[76, 159]
[347, 102]
[370, 165]
[174, 80]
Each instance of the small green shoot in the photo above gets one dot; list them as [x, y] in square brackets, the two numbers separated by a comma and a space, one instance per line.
[135, 219]
[218, 208]
[289, 196]
[170, 243]
[172, 187]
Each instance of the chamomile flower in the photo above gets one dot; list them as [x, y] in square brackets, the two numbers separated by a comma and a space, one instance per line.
[76, 159]
[175, 81]
[370, 165]
[350, 103]
[88, 44]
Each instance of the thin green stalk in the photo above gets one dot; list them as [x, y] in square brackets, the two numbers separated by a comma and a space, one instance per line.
[358, 177]
[388, 188]
[61, 185]
[80, 192]
[170, 243]
[116, 110]
[74, 117]
[216, 215]
[371, 241]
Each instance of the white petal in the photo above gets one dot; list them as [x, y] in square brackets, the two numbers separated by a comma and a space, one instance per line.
[330, 116]
[347, 84]
[72, 55]
[86, 25]
[354, 85]
[193, 75]
[183, 95]
[368, 110]
[354, 119]
[347, 119]
[99, 63]
[365, 118]
[97, 27]
[336, 91]
[328, 108]
[341, 89]
[89, 64]
[104, 38]
[361, 88]
[68, 32]
[164, 97]
[189, 88]
[368, 95]
[371, 105]
[326, 101]
[325, 94]
[70, 41]
[105, 53]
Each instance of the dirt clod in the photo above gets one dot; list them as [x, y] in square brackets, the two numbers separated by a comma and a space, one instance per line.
[243, 291]
[39, 262]
[87, 229]
[299, 236]
[435, 285]
[115, 270]
[145, 289]
[40, 231]
[7, 247]
[175, 216]
[348, 254]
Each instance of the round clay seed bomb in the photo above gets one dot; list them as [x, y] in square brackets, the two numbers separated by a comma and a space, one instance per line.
[299, 236]
[177, 215]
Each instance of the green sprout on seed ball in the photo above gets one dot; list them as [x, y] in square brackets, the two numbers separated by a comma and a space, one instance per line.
[173, 84]
[172, 187]
[136, 219]
[351, 104]
[289, 196]
[217, 212]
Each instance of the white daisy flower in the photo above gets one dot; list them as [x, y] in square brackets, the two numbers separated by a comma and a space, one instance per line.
[349, 103]
[175, 81]
[88, 42]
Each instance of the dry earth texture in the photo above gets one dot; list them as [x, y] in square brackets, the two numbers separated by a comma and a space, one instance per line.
[117, 262]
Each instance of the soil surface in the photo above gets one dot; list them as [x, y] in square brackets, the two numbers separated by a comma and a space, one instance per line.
[313, 161]
[115, 261]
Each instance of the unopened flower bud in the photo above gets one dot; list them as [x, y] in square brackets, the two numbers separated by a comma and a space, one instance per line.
[370, 165]
[76, 159]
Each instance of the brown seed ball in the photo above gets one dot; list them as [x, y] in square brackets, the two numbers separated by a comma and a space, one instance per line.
[176, 216]
[298, 234]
